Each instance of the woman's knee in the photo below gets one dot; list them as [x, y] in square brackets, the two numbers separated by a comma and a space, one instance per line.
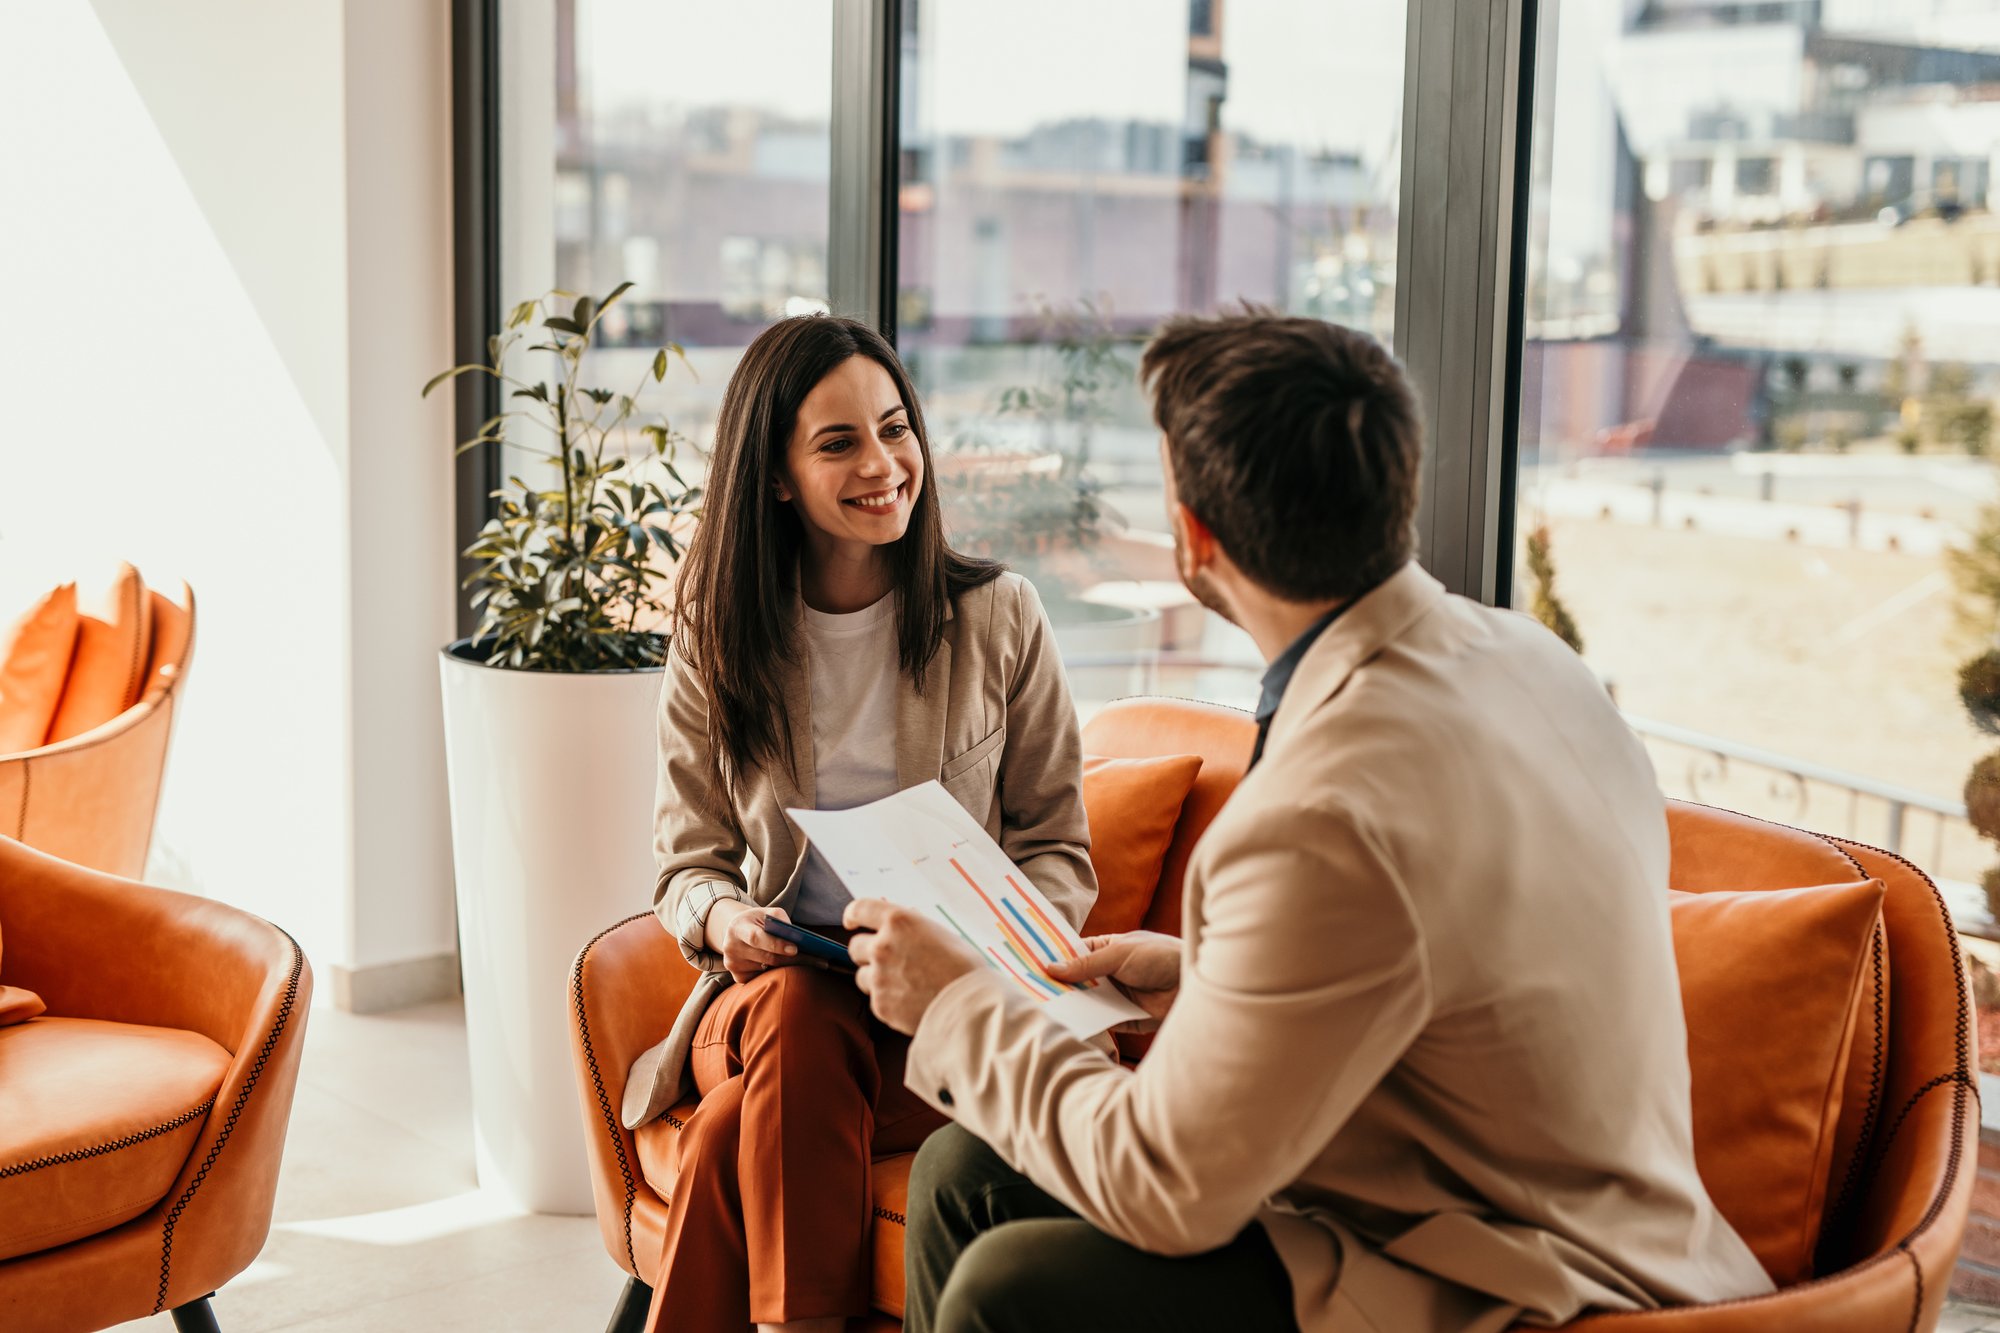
[805, 1028]
[800, 998]
[715, 1132]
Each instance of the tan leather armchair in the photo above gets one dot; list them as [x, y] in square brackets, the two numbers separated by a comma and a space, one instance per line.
[1889, 1243]
[145, 1110]
[91, 799]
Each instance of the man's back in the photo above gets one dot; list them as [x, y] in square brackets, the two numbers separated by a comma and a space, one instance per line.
[1532, 1138]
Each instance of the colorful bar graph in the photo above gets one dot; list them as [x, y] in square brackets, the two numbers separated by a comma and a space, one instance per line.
[993, 907]
[1032, 933]
[1054, 934]
[1018, 940]
[1038, 987]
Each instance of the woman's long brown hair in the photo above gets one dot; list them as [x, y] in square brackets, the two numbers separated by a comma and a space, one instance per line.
[736, 622]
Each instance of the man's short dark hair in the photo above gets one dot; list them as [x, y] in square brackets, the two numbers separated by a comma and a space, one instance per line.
[1297, 442]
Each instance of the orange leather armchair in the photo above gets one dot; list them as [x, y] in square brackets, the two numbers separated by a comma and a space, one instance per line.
[1891, 1242]
[145, 1110]
[91, 799]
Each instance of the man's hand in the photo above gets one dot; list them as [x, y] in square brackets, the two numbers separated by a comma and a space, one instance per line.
[904, 962]
[736, 931]
[1145, 964]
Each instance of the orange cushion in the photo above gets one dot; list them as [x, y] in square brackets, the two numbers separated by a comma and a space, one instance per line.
[17, 1005]
[1133, 805]
[100, 1119]
[113, 637]
[1769, 983]
[34, 663]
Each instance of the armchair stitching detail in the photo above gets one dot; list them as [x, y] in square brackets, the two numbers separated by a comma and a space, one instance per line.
[1850, 1183]
[611, 1126]
[256, 1073]
[98, 1150]
[890, 1215]
[21, 821]
[1961, 1075]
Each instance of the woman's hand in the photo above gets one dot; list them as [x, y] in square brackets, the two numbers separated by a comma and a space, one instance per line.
[736, 931]
[1144, 964]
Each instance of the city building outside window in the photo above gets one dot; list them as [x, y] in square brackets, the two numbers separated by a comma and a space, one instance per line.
[1762, 347]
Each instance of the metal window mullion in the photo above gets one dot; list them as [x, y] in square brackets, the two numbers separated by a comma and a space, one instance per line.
[861, 194]
[1456, 268]
[1420, 259]
[475, 126]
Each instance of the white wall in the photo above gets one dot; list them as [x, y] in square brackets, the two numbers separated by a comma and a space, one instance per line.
[226, 249]
[399, 485]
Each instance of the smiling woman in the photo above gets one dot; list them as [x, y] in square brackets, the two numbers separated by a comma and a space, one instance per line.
[819, 416]
[855, 484]
[830, 649]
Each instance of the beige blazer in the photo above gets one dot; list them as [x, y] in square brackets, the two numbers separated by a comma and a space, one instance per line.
[994, 724]
[1429, 1030]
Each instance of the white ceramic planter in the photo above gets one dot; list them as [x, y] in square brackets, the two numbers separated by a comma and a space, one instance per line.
[551, 820]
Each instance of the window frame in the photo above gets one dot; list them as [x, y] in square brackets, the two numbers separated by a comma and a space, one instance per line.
[1460, 259]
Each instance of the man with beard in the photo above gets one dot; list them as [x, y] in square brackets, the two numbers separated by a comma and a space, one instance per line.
[1421, 1063]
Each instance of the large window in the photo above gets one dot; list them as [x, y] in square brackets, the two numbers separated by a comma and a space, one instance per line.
[697, 173]
[1071, 175]
[1763, 338]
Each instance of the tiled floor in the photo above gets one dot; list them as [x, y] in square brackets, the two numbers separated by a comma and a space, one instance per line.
[381, 1227]
[380, 1224]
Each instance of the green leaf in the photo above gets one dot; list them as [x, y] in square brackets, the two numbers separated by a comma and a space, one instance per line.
[561, 325]
[451, 374]
[521, 314]
[616, 292]
[584, 312]
[659, 372]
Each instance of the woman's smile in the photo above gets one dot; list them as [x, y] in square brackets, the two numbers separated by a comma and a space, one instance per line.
[878, 502]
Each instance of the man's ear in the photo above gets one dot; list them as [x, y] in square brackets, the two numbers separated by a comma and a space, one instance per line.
[1196, 539]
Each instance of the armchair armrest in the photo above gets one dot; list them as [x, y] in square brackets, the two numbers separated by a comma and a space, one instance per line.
[91, 799]
[625, 989]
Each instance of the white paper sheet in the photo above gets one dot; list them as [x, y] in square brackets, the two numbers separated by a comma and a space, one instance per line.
[920, 849]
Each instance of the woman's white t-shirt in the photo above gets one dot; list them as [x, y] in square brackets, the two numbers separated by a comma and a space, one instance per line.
[855, 678]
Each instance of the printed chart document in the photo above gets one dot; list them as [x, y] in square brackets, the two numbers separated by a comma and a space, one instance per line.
[920, 849]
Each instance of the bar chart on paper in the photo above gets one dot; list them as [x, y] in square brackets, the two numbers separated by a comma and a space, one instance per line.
[919, 848]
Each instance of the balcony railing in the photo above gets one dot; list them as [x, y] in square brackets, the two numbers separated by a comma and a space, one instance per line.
[1929, 831]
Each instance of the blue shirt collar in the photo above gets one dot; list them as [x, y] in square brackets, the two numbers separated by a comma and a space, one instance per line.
[1279, 674]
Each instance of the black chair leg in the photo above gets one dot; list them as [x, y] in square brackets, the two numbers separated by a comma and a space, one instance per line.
[196, 1317]
[629, 1316]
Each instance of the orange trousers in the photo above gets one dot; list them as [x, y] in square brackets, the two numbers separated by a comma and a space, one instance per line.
[770, 1220]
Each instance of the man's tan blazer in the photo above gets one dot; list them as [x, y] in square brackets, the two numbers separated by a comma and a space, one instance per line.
[993, 723]
[1429, 1029]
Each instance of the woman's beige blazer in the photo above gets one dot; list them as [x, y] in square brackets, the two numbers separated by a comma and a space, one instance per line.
[994, 724]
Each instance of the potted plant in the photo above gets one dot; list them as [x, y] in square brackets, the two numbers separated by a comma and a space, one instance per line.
[549, 732]
[1039, 507]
